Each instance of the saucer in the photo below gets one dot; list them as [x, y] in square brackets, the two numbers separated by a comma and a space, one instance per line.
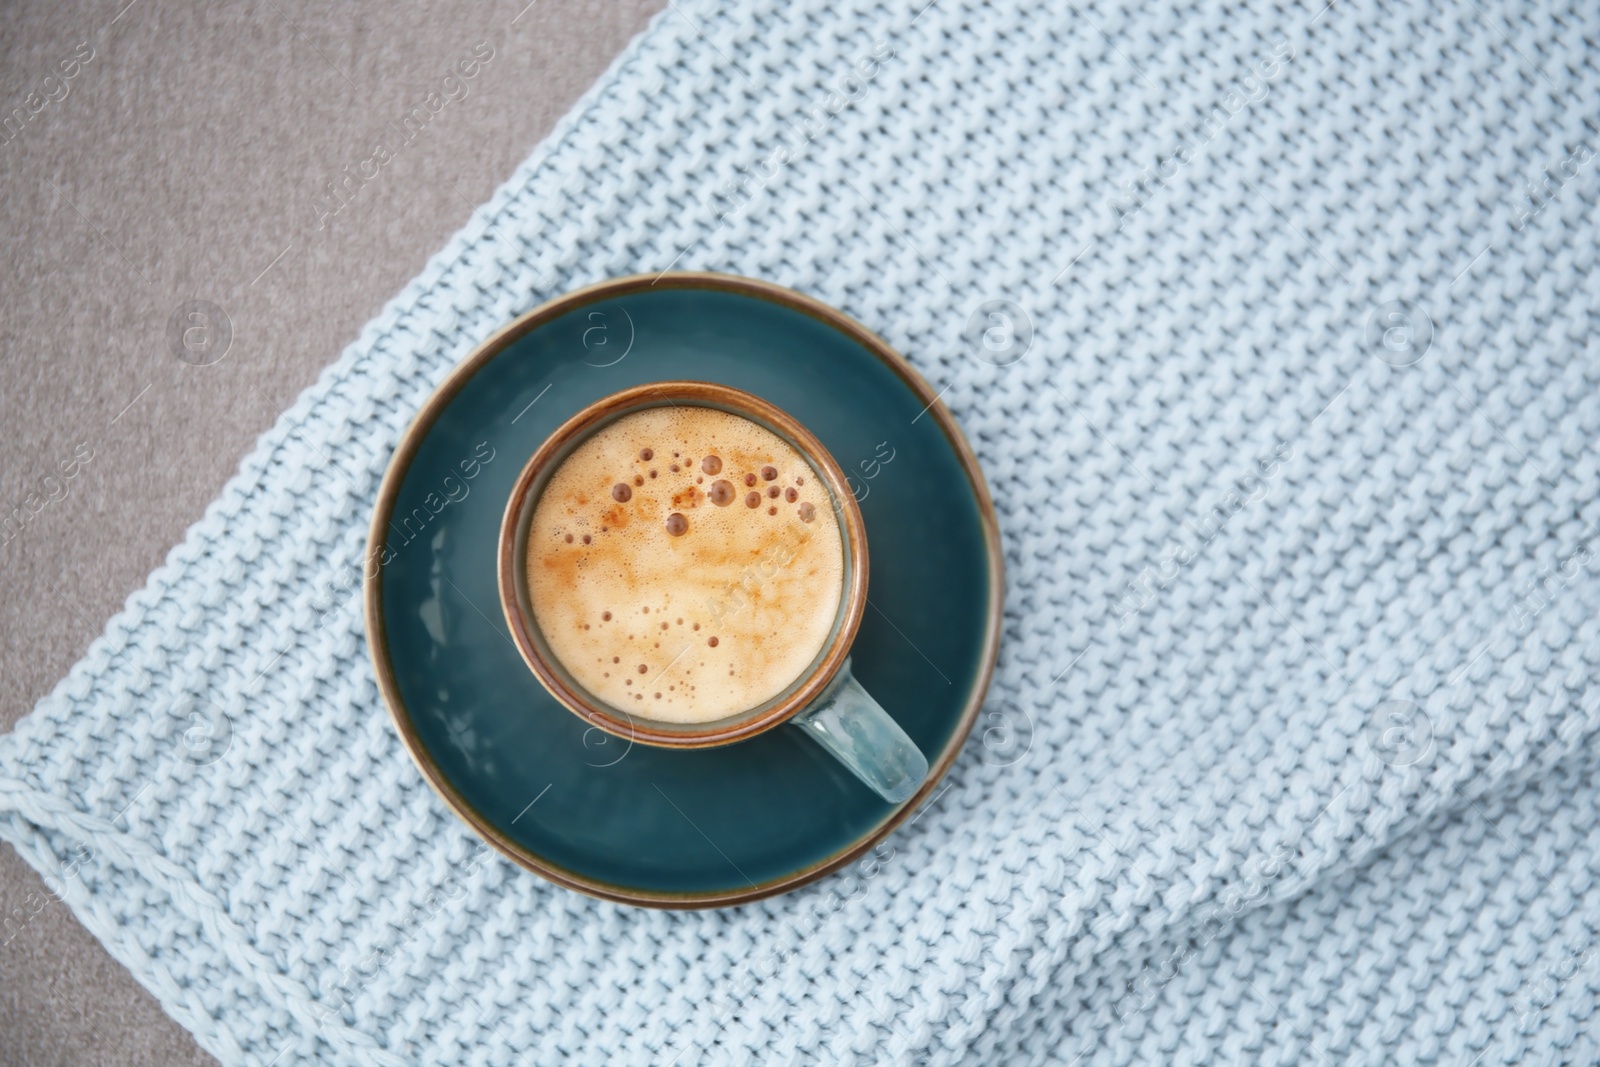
[630, 822]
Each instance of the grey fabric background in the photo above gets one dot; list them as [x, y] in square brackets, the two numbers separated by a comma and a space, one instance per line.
[185, 161]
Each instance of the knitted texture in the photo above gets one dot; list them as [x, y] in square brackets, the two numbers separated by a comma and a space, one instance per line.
[1274, 329]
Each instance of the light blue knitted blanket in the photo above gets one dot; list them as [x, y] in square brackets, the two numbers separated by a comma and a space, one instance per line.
[1274, 327]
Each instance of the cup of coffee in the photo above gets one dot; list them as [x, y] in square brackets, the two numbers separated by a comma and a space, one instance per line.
[683, 564]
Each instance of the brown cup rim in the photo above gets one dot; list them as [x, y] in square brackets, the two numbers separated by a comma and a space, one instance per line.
[513, 570]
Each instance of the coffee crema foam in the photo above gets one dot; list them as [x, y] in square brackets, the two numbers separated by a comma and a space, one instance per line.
[685, 564]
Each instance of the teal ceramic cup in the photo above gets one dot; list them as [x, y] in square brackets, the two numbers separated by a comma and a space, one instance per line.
[824, 700]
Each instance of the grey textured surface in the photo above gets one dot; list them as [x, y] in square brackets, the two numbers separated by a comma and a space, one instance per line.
[185, 161]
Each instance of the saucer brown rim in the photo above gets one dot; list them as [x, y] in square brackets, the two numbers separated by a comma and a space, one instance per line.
[512, 571]
[429, 413]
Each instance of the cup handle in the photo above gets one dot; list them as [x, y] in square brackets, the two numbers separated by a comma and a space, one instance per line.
[852, 726]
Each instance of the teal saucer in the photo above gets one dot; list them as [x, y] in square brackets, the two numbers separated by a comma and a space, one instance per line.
[631, 823]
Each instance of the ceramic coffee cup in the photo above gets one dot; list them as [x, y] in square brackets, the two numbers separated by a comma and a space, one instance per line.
[823, 699]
